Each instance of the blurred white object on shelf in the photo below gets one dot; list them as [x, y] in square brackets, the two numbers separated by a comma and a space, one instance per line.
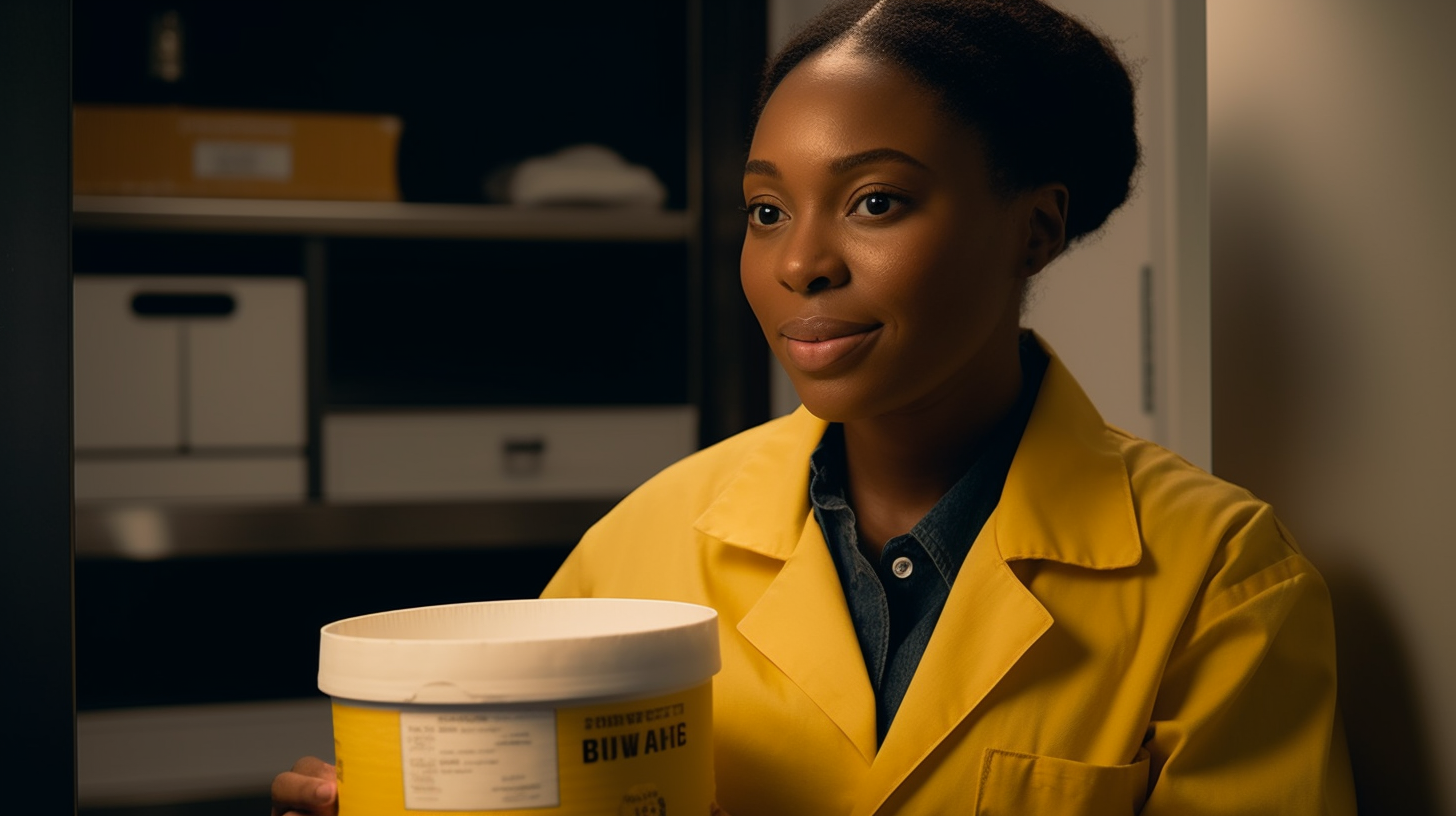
[580, 174]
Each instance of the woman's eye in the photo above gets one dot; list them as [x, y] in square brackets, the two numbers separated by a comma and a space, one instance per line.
[875, 204]
[764, 215]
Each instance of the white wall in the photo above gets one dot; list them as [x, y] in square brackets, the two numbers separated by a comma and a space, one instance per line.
[785, 17]
[1333, 159]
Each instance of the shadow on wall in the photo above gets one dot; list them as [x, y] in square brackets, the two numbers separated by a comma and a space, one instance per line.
[1279, 351]
[1390, 748]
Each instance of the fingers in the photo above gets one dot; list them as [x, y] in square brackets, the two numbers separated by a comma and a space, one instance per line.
[309, 788]
[315, 767]
[298, 794]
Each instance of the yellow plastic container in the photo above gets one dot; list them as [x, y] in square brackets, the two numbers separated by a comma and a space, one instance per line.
[562, 706]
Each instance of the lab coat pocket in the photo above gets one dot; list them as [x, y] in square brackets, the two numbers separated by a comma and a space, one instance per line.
[1027, 785]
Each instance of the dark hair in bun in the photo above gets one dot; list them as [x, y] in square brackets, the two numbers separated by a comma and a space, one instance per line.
[1051, 100]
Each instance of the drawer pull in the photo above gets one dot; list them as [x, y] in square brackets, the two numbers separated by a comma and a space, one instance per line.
[524, 456]
[183, 304]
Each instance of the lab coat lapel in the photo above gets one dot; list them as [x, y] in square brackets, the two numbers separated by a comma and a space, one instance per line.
[801, 623]
[802, 626]
[1067, 498]
[990, 620]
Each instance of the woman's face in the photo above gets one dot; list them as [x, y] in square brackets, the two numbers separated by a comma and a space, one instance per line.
[884, 271]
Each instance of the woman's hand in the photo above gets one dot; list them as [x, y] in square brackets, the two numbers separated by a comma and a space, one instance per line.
[310, 789]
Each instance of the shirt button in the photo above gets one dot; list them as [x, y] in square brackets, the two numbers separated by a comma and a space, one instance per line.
[902, 567]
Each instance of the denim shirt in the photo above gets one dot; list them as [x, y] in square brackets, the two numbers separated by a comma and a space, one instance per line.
[896, 601]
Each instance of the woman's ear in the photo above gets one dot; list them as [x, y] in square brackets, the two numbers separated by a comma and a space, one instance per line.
[1047, 236]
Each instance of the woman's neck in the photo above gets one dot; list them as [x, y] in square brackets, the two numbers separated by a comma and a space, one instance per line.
[899, 466]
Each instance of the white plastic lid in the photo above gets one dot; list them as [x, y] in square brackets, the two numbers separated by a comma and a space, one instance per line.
[519, 651]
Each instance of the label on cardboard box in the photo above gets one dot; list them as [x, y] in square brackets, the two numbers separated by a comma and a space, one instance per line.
[177, 151]
[269, 161]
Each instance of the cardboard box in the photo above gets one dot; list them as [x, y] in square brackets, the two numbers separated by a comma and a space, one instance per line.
[176, 151]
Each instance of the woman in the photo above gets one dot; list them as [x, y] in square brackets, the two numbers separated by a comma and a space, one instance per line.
[944, 584]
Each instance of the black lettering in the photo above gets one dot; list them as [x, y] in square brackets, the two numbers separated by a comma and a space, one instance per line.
[651, 746]
[629, 744]
[682, 733]
[588, 751]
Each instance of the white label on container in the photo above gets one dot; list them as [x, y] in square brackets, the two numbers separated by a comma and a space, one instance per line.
[479, 760]
[265, 161]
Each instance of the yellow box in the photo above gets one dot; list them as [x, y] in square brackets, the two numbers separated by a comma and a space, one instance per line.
[177, 151]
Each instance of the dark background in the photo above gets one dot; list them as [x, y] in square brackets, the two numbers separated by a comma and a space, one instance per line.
[35, 406]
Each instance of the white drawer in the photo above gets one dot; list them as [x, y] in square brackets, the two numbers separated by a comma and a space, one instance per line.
[502, 453]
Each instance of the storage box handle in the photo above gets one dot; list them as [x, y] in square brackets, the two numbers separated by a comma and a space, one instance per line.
[183, 304]
[523, 456]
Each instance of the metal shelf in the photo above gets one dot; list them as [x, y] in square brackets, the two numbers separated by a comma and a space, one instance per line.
[156, 531]
[380, 219]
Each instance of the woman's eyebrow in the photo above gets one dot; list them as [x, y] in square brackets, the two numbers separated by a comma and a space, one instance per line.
[759, 167]
[841, 165]
[880, 154]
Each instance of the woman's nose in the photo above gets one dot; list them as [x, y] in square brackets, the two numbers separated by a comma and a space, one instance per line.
[811, 262]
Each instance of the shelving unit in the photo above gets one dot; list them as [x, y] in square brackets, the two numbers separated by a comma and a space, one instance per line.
[247, 583]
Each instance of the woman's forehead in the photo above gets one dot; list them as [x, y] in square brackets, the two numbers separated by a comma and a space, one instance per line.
[841, 103]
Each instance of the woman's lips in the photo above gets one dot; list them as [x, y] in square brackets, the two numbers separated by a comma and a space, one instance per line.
[816, 343]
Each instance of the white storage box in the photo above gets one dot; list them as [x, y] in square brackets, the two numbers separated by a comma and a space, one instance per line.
[189, 387]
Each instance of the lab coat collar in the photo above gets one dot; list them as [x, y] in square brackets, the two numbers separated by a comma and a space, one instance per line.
[771, 488]
[1067, 496]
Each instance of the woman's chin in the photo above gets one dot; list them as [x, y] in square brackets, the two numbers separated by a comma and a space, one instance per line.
[832, 404]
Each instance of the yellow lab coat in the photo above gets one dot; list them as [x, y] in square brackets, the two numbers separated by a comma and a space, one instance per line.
[1127, 635]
